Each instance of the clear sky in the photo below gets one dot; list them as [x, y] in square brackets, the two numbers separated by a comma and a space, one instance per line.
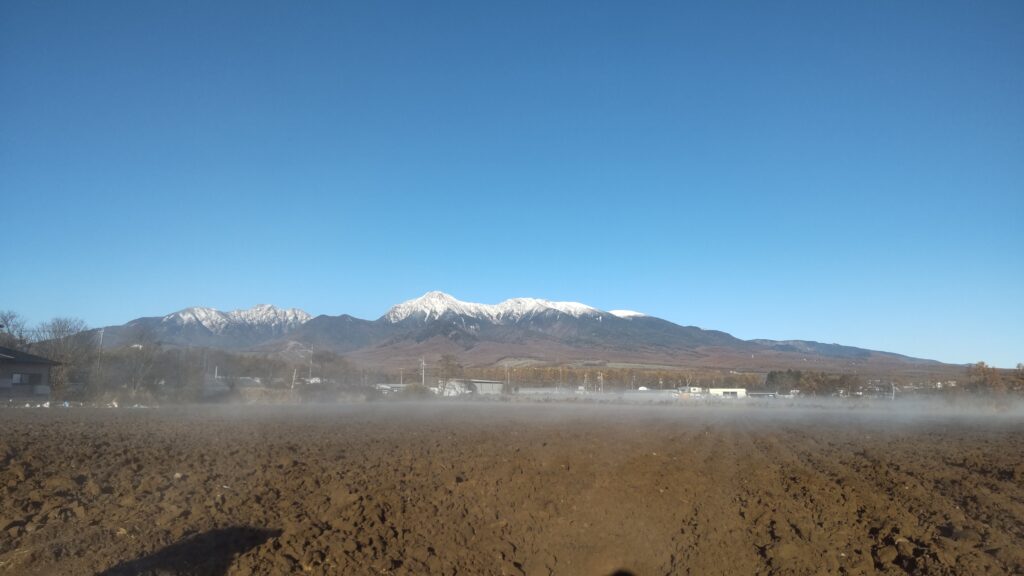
[846, 172]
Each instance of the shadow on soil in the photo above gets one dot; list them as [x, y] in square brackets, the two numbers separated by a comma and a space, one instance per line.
[206, 554]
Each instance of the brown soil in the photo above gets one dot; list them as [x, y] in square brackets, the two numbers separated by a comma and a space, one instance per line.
[451, 488]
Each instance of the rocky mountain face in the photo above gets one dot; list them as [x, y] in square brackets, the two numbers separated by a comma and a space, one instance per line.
[525, 330]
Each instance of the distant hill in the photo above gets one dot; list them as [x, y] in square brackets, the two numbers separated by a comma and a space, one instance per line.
[520, 330]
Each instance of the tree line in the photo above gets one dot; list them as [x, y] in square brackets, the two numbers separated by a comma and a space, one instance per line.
[814, 383]
[979, 379]
[146, 368]
[985, 379]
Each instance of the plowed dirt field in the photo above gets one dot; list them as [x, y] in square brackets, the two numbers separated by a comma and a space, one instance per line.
[453, 488]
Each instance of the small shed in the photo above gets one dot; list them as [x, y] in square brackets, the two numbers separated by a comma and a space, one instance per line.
[24, 375]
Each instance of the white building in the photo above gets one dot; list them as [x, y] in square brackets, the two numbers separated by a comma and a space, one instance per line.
[727, 392]
[691, 393]
[488, 387]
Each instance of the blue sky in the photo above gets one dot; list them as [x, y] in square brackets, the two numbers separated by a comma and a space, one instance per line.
[843, 172]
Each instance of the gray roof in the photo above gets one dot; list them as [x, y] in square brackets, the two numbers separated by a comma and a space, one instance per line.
[12, 356]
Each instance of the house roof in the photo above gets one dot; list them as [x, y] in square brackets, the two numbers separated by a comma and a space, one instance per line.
[12, 356]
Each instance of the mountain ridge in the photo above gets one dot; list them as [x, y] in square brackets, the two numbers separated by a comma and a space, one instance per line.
[435, 304]
[528, 329]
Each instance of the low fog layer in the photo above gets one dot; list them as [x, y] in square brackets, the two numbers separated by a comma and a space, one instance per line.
[596, 409]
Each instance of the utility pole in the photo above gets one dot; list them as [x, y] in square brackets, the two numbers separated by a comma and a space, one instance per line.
[423, 372]
[99, 358]
[401, 376]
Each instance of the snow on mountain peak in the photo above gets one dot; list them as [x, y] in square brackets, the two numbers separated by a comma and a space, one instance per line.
[516, 308]
[214, 320]
[434, 305]
[260, 315]
[269, 314]
[626, 313]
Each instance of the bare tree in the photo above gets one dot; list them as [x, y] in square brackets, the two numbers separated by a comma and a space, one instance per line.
[688, 378]
[62, 340]
[140, 358]
[323, 359]
[985, 379]
[448, 368]
[183, 371]
[334, 367]
[13, 333]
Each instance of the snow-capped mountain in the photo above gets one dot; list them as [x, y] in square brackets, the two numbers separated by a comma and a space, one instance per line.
[526, 329]
[436, 305]
[261, 315]
[213, 320]
[199, 326]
